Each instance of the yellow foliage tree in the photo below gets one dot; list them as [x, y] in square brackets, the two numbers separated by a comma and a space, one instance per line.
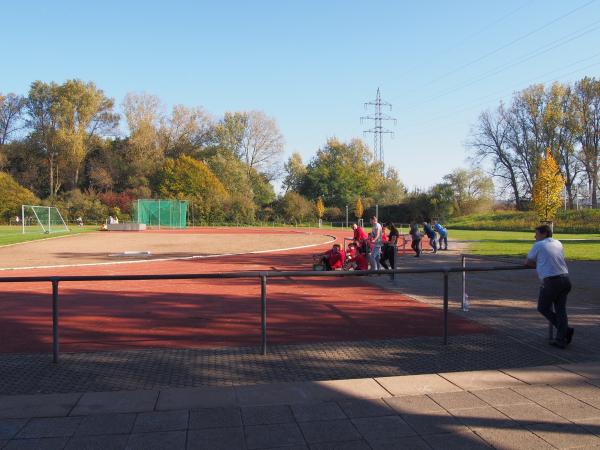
[359, 210]
[547, 188]
[320, 207]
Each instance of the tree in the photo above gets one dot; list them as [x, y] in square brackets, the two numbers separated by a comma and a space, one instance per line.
[547, 188]
[472, 191]
[187, 179]
[11, 108]
[254, 138]
[588, 117]
[320, 208]
[12, 196]
[185, 132]
[294, 172]
[359, 210]
[295, 208]
[340, 172]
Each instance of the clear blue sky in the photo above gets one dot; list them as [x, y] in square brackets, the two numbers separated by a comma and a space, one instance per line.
[312, 64]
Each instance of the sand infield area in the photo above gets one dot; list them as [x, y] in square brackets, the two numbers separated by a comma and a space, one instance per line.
[118, 247]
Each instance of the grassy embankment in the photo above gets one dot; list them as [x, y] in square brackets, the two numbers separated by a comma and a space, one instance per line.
[510, 233]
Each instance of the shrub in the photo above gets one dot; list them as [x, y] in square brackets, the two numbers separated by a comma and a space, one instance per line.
[12, 196]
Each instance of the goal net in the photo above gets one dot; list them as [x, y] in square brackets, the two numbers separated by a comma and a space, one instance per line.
[42, 219]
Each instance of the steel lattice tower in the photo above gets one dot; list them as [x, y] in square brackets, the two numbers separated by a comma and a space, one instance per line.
[378, 131]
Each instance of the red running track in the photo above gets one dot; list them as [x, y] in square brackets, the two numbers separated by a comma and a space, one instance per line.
[210, 313]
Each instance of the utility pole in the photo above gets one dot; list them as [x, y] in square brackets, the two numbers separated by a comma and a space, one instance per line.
[378, 131]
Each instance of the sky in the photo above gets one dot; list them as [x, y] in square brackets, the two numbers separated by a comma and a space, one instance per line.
[311, 65]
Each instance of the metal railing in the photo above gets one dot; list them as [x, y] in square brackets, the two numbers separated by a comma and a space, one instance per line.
[261, 275]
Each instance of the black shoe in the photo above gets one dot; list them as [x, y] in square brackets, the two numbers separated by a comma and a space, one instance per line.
[570, 332]
[558, 344]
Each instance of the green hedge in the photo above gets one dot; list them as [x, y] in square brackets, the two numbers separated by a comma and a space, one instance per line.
[581, 221]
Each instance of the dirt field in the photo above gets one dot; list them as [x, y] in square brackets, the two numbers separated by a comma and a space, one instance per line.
[112, 247]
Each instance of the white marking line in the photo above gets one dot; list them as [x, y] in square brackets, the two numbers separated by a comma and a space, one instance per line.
[333, 239]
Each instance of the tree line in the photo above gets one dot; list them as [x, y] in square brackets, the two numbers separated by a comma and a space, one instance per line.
[564, 118]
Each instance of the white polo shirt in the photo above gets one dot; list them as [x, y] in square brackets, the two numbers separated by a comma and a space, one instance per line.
[549, 258]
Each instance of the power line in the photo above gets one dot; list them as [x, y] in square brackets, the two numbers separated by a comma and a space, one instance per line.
[378, 131]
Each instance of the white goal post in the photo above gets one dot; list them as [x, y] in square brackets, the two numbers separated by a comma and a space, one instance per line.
[44, 219]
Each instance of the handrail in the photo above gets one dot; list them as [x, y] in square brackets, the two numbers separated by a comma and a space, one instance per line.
[262, 275]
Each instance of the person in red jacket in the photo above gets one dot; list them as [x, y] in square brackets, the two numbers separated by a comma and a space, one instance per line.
[334, 259]
[360, 238]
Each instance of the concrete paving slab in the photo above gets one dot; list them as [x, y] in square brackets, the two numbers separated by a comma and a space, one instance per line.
[544, 395]
[57, 443]
[418, 404]
[402, 443]
[115, 402]
[267, 415]
[504, 396]
[466, 440]
[434, 423]
[581, 391]
[329, 431]
[272, 436]
[275, 394]
[531, 413]
[216, 439]
[215, 418]
[10, 427]
[545, 375]
[383, 429]
[106, 424]
[161, 421]
[318, 411]
[513, 439]
[481, 379]
[457, 400]
[43, 405]
[591, 425]
[565, 435]
[347, 445]
[353, 388]
[588, 370]
[49, 427]
[365, 408]
[169, 440]
[98, 442]
[574, 411]
[417, 384]
[483, 418]
[202, 397]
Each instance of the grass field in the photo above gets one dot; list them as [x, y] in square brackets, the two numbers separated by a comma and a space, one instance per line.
[517, 243]
[12, 234]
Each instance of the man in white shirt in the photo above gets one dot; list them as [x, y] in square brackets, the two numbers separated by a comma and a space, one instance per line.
[548, 258]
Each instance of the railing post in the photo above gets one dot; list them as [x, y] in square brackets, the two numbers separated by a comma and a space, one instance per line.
[445, 307]
[263, 307]
[463, 263]
[55, 321]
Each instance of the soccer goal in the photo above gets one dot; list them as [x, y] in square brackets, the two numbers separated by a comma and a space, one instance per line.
[42, 219]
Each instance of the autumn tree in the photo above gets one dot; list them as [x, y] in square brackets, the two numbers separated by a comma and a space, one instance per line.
[547, 189]
[294, 172]
[11, 109]
[359, 209]
[12, 196]
[320, 208]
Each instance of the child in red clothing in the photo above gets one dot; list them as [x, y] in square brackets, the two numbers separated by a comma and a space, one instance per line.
[334, 259]
[355, 260]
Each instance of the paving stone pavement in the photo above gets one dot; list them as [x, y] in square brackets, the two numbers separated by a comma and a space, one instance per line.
[537, 407]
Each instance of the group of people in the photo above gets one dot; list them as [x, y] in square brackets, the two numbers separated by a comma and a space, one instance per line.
[375, 250]
[431, 232]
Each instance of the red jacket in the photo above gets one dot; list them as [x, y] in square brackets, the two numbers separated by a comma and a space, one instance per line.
[335, 260]
[361, 262]
[360, 235]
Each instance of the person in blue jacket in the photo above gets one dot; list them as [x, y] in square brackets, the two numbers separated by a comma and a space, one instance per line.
[431, 235]
[443, 235]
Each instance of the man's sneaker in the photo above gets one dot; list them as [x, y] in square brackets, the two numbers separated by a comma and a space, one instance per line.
[559, 344]
[569, 337]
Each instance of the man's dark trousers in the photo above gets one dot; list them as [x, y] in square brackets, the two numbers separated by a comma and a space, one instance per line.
[554, 292]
